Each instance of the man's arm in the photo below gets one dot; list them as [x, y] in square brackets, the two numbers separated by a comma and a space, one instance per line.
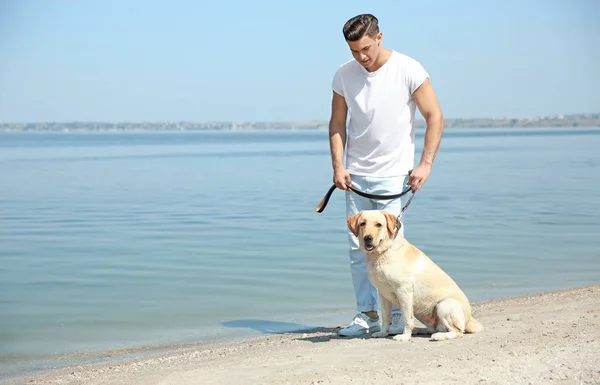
[427, 103]
[337, 140]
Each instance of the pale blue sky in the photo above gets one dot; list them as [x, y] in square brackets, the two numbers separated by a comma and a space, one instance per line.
[273, 60]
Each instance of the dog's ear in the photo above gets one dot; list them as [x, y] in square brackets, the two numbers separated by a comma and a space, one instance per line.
[352, 222]
[392, 222]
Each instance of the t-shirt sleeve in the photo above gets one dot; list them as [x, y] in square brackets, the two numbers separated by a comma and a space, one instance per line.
[336, 83]
[415, 75]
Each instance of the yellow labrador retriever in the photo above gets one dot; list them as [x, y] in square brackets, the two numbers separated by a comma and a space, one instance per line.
[407, 278]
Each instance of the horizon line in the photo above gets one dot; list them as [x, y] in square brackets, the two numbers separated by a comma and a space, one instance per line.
[595, 115]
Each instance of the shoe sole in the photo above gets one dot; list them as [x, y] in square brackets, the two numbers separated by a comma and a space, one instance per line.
[367, 331]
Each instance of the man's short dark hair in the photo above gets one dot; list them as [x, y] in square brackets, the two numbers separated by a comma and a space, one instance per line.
[361, 25]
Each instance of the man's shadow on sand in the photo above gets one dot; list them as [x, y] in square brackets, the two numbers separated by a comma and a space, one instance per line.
[314, 333]
[276, 327]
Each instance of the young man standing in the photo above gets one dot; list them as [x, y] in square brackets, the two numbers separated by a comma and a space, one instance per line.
[381, 89]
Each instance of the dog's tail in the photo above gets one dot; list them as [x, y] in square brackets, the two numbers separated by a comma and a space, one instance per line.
[473, 326]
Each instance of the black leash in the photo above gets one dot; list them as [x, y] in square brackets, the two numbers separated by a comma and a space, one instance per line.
[321, 206]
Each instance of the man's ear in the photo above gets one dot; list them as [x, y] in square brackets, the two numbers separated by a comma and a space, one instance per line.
[392, 222]
[352, 222]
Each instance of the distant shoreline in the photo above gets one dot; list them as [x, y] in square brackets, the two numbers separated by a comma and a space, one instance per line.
[557, 121]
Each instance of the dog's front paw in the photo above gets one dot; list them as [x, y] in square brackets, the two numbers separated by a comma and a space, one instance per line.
[402, 337]
[379, 334]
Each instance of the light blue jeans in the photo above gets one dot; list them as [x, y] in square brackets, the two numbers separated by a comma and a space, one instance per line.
[366, 294]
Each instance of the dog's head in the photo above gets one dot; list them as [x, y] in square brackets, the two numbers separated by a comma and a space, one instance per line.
[373, 228]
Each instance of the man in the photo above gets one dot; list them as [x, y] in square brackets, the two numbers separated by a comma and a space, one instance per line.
[381, 89]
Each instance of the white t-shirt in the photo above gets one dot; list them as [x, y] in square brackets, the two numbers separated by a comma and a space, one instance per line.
[380, 138]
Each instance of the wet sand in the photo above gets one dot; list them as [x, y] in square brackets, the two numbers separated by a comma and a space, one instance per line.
[543, 338]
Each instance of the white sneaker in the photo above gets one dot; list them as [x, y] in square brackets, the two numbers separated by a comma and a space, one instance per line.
[361, 324]
[397, 324]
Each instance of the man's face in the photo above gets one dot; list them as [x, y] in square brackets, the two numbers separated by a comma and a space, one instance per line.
[366, 50]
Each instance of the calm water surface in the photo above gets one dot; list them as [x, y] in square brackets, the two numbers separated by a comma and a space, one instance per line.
[121, 240]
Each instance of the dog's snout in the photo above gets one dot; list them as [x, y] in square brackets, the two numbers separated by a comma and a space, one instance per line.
[368, 238]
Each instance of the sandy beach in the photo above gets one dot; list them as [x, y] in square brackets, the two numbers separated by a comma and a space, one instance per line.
[543, 338]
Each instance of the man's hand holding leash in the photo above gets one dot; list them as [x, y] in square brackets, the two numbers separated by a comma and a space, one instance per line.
[418, 176]
[341, 178]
